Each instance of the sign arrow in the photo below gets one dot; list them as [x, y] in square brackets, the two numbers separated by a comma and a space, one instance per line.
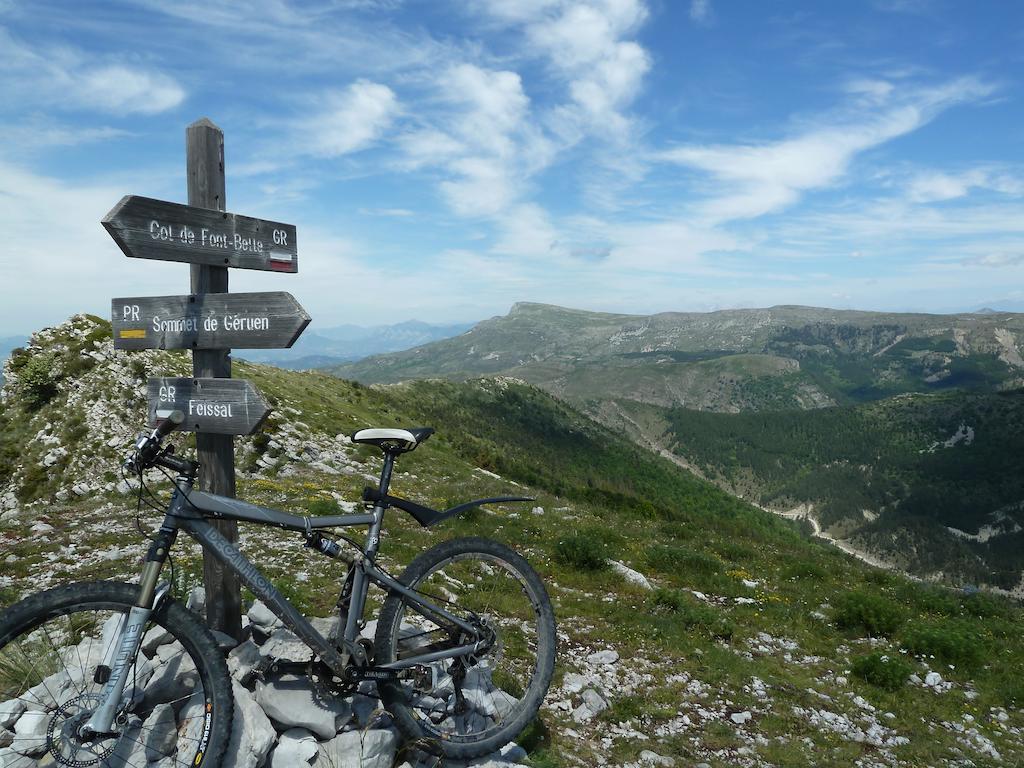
[208, 321]
[215, 406]
[154, 229]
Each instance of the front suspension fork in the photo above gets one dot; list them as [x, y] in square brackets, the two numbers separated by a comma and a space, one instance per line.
[120, 662]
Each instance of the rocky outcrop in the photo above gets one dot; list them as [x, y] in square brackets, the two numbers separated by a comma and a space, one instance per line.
[278, 721]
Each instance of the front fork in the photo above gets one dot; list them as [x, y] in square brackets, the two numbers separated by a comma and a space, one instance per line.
[132, 631]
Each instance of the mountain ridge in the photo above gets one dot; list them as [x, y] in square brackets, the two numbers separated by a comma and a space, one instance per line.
[675, 381]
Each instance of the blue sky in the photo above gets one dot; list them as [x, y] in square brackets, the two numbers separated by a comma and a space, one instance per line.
[443, 160]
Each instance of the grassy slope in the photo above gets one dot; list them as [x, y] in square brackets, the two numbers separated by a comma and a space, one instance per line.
[599, 494]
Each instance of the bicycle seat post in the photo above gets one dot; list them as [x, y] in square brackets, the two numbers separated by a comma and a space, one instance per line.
[385, 472]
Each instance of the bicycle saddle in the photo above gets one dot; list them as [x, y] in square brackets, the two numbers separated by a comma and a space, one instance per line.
[393, 439]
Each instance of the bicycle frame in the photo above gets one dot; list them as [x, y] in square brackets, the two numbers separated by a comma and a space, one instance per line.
[190, 510]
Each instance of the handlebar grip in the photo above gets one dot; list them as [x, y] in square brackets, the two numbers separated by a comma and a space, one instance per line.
[167, 422]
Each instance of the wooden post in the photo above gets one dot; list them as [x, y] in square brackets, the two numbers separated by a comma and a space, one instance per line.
[204, 152]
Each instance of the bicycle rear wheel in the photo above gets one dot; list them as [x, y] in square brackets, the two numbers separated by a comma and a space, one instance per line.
[470, 705]
[56, 650]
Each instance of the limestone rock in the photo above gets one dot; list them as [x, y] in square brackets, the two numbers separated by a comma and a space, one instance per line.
[30, 733]
[647, 756]
[161, 733]
[252, 734]
[197, 601]
[603, 657]
[10, 711]
[630, 575]
[360, 749]
[11, 759]
[295, 747]
[262, 616]
[293, 702]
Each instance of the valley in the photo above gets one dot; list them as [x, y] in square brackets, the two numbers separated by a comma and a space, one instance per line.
[853, 415]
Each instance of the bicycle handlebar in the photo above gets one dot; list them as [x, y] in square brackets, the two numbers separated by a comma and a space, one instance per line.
[147, 447]
[167, 423]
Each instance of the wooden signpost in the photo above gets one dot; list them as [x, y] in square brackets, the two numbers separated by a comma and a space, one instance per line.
[153, 229]
[210, 322]
[212, 406]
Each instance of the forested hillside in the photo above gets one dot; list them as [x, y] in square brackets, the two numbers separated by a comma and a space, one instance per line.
[934, 482]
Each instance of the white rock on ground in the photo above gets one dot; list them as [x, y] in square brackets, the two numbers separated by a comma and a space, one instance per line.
[603, 657]
[161, 733]
[292, 702]
[252, 734]
[630, 575]
[646, 756]
[10, 711]
[360, 749]
[294, 747]
[30, 733]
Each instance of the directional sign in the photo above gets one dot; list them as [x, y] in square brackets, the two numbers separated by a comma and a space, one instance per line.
[154, 229]
[208, 321]
[215, 406]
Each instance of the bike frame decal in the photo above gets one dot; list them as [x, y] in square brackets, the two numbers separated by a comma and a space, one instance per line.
[128, 647]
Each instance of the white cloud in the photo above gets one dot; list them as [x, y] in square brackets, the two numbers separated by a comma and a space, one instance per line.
[527, 232]
[121, 89]
[353, 119]
[668, 246]
[936, 186]
[873, 90]
[758, 179]
[427, 147]
[483, 139]
[67, 78]
[494, 107]
[482, 187]
[700, 11]
[997, 259]
[389, 212]
[604, 73]
[34, 133]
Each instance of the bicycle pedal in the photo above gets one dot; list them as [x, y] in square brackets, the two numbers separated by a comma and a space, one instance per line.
[258, 672]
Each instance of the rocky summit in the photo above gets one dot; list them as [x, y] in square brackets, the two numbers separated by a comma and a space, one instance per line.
[694, 628]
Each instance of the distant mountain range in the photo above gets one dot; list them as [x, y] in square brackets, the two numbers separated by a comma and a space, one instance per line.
[324, 347]
[728, 361]
[896, 434]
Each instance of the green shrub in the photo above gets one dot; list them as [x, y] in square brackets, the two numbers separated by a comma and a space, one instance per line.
[321, 507]
[737, 552]
[876, 615]
[986, 606]
[667, 558]
[952, 642]
[583, 551]
[37, 381]
[1011, 691]
[690, 614]
[880, 577]
[887, 672]
[804, 569]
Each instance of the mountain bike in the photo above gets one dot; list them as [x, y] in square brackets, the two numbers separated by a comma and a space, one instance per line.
[113, 674]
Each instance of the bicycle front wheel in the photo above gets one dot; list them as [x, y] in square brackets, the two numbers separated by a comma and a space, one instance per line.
[56, 652]
[470, 705]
